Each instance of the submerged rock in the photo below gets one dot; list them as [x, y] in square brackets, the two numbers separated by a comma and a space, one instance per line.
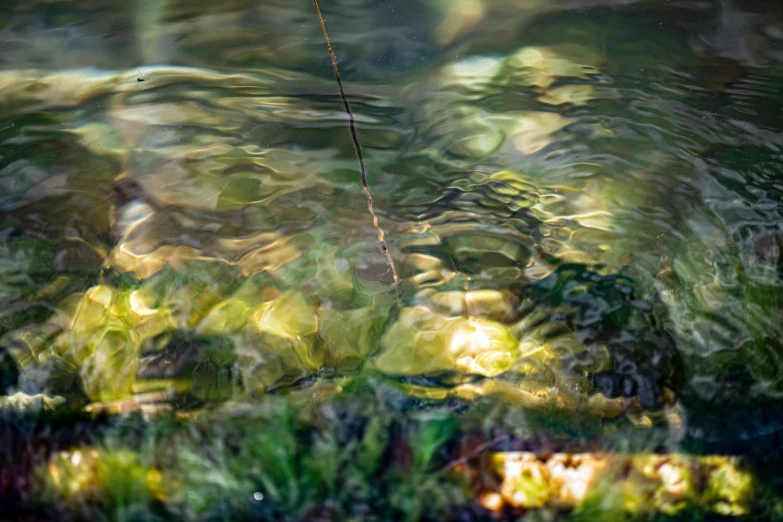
[350, 336]
[280, 342]
[424, 342]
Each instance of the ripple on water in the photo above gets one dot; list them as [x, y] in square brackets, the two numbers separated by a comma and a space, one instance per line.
[508, 172]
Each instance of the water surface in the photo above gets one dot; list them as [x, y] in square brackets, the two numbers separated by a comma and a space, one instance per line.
[582, 200]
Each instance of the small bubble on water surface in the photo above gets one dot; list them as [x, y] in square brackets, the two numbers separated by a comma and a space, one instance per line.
[258, 495]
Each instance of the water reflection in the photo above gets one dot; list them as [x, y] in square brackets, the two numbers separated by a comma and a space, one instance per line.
[582, 199]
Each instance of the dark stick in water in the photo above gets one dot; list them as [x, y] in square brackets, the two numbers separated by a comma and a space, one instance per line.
[358, 148]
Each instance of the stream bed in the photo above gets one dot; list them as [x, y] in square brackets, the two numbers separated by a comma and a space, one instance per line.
[579, 316]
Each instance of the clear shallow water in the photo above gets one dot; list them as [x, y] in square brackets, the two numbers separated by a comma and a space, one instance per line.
[582, 200]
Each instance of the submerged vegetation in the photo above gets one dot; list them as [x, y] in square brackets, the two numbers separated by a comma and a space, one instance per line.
[564, 303]
[336, 453]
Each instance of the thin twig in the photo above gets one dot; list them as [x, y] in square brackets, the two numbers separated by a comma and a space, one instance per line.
[358, 148]
[475, 453]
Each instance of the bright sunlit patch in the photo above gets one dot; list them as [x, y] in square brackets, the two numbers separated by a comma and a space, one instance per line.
[645, 483]
[138, 304]
[491, 501]
[469, 339]
[103, 295]
[472, 72]
[481, 347]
